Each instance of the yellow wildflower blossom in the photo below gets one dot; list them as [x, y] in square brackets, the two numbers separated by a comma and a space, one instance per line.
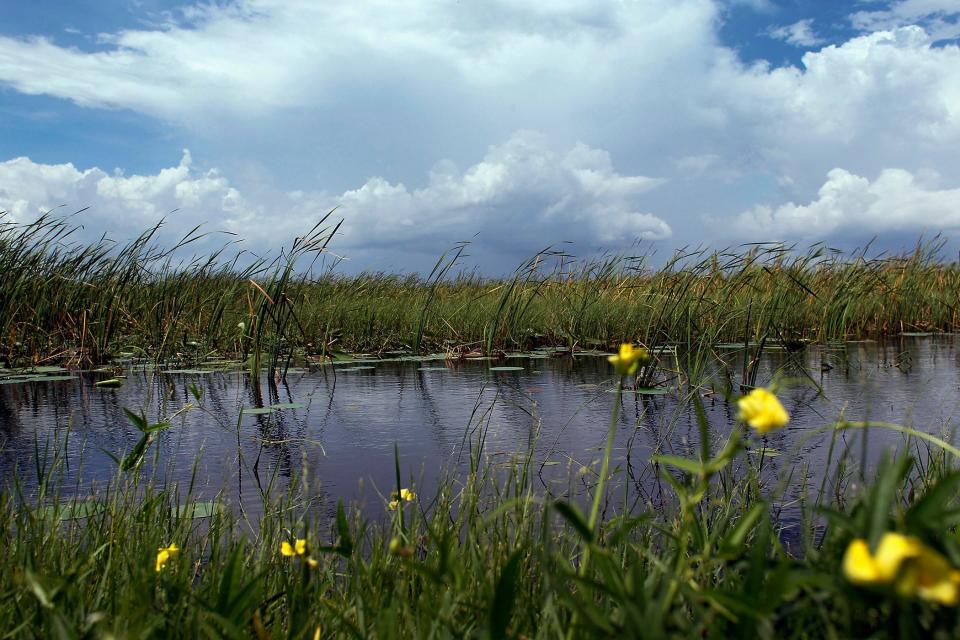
[628, 360]
[165, 553]
[761, 410]
[405, 495]
[298, 548]
[904, 562]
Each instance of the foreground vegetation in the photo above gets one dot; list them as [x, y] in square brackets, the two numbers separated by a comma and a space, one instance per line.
[488, 555]
[80, 303]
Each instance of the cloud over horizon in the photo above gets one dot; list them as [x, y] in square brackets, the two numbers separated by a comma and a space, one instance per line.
[426, 123]
[896, 200]
[522, 184]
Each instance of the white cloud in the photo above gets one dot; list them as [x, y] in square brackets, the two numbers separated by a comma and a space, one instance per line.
[799, 34]
[122, 205]
[253, 57]
[522, 194]
[885, 99]
[306, 105]
[940, 18]
[897, 200]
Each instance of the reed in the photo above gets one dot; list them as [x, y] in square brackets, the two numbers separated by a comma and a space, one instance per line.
[84, 303]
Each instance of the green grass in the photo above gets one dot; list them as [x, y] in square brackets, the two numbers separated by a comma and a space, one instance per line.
[79, 303]
[485, 554]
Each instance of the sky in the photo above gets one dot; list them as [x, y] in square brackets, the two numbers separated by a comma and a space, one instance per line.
[588, 125]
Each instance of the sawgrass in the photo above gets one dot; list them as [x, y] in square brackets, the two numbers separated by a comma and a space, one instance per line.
[82, 303]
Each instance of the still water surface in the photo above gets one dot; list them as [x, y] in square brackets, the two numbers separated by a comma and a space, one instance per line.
[345, 421]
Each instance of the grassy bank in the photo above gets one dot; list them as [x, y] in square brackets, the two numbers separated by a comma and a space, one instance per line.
[84, 303]
[489, 555]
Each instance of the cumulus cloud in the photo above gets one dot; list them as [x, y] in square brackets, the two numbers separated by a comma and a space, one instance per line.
[897, 200]
[123, 205]
[940, 18]
[522, 194]
[799, 34]
[352, 104]
[885, 99]
[256, 56]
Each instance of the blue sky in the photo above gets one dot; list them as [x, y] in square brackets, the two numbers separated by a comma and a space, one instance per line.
[513, 123]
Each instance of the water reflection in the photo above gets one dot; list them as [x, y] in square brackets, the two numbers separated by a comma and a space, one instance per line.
[343, 424]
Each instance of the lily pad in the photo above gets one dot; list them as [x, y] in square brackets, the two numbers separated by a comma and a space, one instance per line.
[191, 371]
[256, 411]
[506, 368]
[196, 510]
[71, 510]
[50, 369]
[643, 391]
[433, 369]
[347, 369]
[111, 383]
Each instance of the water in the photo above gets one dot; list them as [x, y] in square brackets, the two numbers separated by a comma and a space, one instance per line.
[344, 425]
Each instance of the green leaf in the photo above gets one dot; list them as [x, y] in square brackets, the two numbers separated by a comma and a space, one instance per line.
[889, 477]
[505, 596]
[111, 383]
[157, 426]
[930, 510]
[137, 420]
[345, 544]
[572, 515]
[733, 543]
[135, 456]
[684, 464]
[624, 528]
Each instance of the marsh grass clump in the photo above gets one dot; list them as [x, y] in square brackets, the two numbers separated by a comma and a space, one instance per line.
[85, 303]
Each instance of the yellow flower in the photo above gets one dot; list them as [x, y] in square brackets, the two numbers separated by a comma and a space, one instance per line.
[405, 495]
[931, 577]
[862, 567]
[913, 568]
[313, 564]
[165, 553]
[395, 545]
[762, 411]
[298, 548]
[397, 548]
[629, 359]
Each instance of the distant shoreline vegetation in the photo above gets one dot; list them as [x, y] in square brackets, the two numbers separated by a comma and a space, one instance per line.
[81, 304]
